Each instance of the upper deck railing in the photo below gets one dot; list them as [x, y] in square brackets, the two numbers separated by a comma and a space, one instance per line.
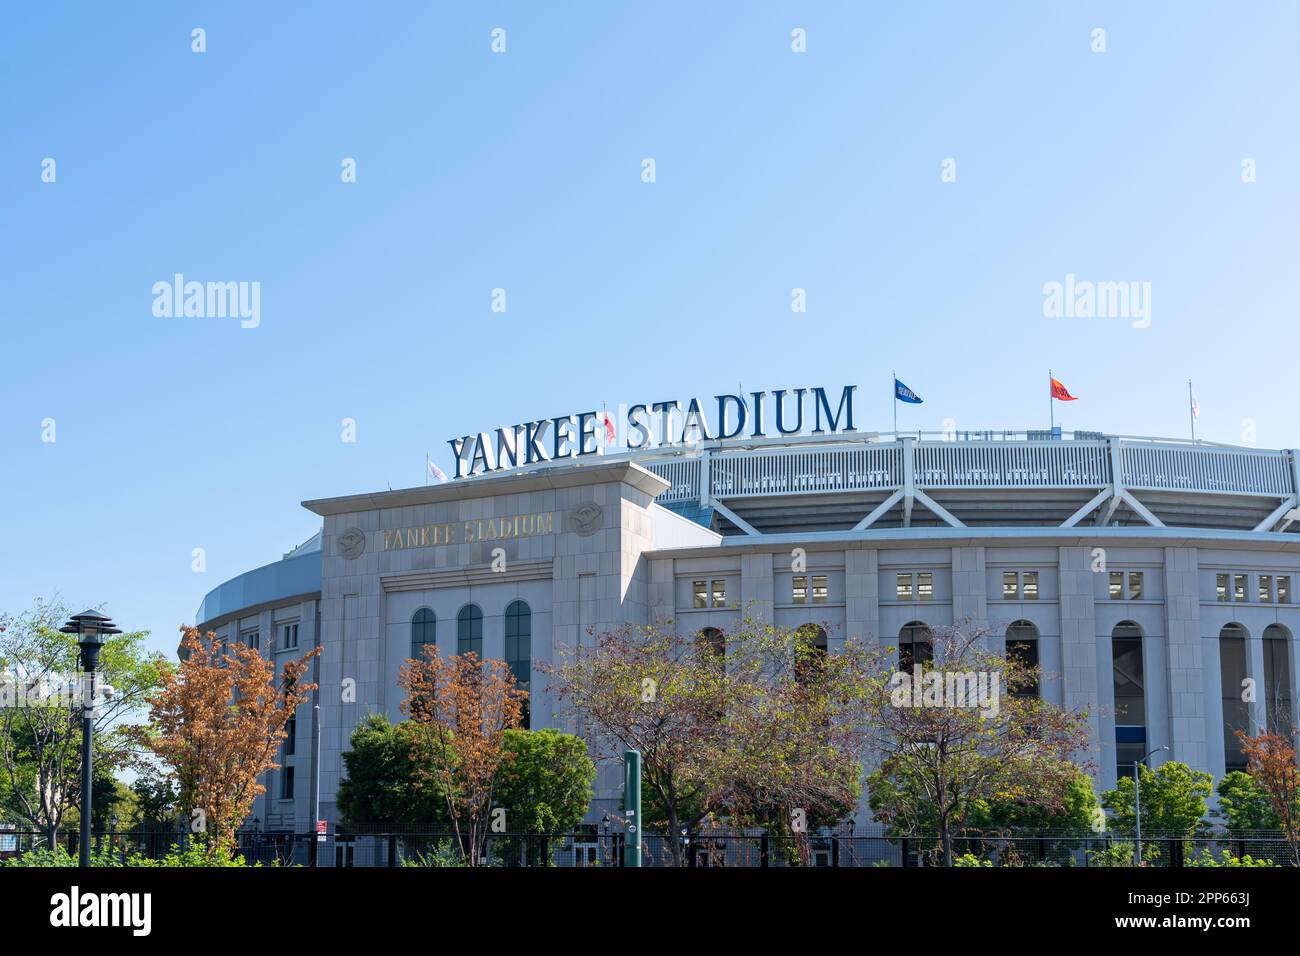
[966, 460]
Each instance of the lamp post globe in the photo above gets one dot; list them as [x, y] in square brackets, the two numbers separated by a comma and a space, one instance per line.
[91, 628]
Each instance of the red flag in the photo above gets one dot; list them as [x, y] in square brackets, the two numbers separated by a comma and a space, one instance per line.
[1061, 393]
[609, 429]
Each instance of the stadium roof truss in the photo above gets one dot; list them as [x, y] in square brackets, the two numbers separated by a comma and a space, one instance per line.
[987, 479]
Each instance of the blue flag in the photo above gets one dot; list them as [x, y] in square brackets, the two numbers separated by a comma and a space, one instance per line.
[905, 394]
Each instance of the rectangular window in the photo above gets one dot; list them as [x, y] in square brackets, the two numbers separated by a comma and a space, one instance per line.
[1266, 589]
[286, 783]
[1117, 585]
[1031, 585]
[925, 586]
[1135, 585]
[291, 736]
[1221, 587]
[905, 587]
[820, 591]
[1010, 586]
[252, 639]
[700, 589]
[720, 593]
[799, 594]
[289, 636]
[1284, 589]
[1239, 587]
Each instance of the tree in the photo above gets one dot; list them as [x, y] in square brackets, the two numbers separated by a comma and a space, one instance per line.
[770, 726]
[642, 689]
[383, 787]
[218, 722]
[155, 801]
[960, 729]
[797, 729]
[41, 711]
[1271, 761]
[1245, 807]
[1173, 800]
[469, 705]
[546, 780]
[1078, 812]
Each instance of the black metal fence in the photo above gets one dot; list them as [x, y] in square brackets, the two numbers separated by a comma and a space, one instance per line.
[382, 848]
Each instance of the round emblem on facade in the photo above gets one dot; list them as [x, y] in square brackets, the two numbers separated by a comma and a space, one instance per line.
[352, 543]
[588, 519]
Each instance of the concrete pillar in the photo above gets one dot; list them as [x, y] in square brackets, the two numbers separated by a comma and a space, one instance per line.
[1187, 701]
[862, 595]
[1255, 671]
[757, 586]
[970, 589]
[1212, 691]
[1079, 646]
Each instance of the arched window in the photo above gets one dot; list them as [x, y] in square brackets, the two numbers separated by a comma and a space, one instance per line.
[807, 666]
[1130, 696]
[469, 631]
[1277, 681]
[714, 640]
[1022, 646]
[424, 630]
[1232, 675]
[519, 650]
[915, 645]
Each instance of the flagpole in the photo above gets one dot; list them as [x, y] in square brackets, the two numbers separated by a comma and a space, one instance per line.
[426, 469]
[1191, 408]
[1051, 409]
[893, 389]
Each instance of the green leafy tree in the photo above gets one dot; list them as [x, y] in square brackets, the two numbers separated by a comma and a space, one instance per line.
[41, 712]
[1079, 813]
[156, 798]
[1173, 800]
[546, 780]
[944, 746]
[1244, 806]
[383, 788]
[765, 718]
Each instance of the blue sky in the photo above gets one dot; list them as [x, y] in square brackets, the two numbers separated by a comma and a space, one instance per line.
[522, 170]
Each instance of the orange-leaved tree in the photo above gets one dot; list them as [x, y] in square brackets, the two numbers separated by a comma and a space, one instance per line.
[468, 705]
[218, 722]
[1271, 761]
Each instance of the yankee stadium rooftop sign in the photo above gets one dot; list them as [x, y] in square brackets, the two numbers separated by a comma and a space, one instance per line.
[653, 425]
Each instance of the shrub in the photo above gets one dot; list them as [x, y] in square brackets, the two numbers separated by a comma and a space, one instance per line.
[1206, 858]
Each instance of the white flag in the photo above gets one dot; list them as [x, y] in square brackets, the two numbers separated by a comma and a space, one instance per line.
[436, 473]
[1196, 408]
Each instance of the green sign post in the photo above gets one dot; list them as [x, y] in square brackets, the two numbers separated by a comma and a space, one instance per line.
[632, 807]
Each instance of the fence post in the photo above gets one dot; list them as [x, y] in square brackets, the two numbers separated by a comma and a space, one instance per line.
[1176, 853]
[906, 851]
[392, 850]
[835, 850]
[762, 850]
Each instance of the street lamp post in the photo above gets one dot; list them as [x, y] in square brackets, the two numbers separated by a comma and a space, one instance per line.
[1137, 803]
[91, 628]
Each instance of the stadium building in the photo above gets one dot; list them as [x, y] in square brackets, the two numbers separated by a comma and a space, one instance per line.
[1152, 580]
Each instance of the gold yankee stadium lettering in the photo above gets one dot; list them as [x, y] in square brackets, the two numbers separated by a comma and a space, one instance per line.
[468, 532]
